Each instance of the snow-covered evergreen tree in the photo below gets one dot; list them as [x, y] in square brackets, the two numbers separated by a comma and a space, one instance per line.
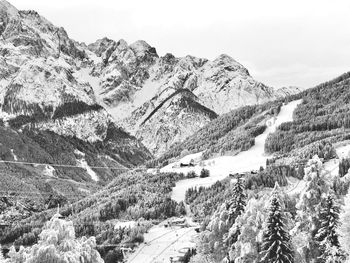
[276, 246]
[308, 208]
[215, 241]
[344, 228]
[327, 236]
[237, 204]
[57, 244]
[249, 227]
[329, 218]
[316, 187]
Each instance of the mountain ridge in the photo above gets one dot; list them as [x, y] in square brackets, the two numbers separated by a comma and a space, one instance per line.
[125, 98]
[135, 84]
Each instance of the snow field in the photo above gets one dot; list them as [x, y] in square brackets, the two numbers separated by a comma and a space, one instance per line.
[161, 243]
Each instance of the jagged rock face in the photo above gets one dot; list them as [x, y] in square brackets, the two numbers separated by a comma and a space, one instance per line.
[138, 88]
[101, 46]
[126, 69]
[40, 91]
[224, 84]
[49, 81]
[179, 117]
[45, 84]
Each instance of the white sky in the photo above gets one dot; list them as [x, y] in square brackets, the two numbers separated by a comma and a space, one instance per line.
[281, 42]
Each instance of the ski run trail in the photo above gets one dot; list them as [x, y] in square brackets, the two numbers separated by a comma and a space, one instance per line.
[163, 242]
[222, 166]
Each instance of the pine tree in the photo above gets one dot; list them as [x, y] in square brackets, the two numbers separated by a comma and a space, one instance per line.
[309, 206]
[204, 173]
[276, 247]
[327, 236]
[58, 244]
[235, 208]
[344, 229]
[238, 202]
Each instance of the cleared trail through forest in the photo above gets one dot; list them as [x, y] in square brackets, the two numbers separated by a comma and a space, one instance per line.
[221, 167]
[343, 151]
[160, 243]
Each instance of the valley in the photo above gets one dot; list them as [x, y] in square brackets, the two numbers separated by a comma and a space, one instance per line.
[159, 241]
[220, 167]
[112, 152]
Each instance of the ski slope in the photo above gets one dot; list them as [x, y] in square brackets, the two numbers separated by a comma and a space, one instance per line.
[343, 151]
[222, 166]
[161, 243]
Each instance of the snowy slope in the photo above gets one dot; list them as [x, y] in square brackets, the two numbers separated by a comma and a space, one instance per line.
[221, 167]
[162, 243]
[343, 151]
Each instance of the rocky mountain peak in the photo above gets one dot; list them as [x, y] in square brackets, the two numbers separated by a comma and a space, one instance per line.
[122, 44]
[191, 62]
[6, 7]
[227, 63]
[101, 45]
[141, 48]
[8, 14]
[168, 57]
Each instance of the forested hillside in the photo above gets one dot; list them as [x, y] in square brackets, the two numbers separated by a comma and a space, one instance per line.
[112, 153]
[228, 134]
[135, 196]
[323, 116]
[294, 200]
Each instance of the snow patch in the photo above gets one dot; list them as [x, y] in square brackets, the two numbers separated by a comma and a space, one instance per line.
[49, 171]
[14, 155]
[141, 96]
[84, 76]
[83, 164]
[343, 151]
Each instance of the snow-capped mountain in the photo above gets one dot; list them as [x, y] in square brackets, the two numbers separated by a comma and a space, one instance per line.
[52, 82]
[143, 90]
[41, 96]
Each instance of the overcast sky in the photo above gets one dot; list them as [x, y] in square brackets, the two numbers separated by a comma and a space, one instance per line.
[281, 42]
